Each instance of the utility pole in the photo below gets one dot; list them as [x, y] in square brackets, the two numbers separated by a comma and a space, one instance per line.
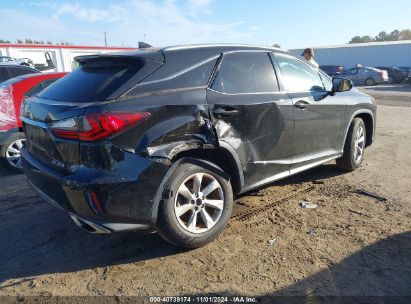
[105, 38]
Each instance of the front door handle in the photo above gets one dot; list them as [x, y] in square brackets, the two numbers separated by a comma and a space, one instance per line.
[225, 111]
[301, 104]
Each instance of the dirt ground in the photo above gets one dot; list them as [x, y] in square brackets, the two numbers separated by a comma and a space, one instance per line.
[351, 245]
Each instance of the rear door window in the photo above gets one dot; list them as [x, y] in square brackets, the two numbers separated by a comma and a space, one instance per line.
[363, 70]
[95, 80]
[247, 72]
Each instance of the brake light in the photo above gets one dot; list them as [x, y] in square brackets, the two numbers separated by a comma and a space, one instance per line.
[383, 74]
[7, 101]
[95, 127]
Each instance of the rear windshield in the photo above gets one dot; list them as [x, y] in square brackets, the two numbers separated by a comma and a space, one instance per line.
[95, 80]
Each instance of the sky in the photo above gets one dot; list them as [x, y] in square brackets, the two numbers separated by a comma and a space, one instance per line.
[290, 23]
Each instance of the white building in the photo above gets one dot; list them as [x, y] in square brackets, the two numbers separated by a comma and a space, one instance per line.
[61, 55]
[390, 53]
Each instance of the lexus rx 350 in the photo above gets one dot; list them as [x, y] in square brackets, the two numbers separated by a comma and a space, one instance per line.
[165, 138]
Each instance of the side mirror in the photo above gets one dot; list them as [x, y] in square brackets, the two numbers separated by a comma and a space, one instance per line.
[341, 85]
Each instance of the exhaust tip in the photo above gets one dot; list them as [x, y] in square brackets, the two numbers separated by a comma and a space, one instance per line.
[89, 226]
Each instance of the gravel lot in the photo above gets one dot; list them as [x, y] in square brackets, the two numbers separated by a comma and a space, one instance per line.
[350, 245]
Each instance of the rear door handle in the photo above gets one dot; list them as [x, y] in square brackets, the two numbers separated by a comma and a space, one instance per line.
[225, 111]
[301, 104]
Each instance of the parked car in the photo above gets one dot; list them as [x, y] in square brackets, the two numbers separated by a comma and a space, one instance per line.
[332, 69]
[10, 71]
[165, 138]
[365, 76]
[405, 68]
[19, 61]
[408, 69]
[394, 74]
[12, 93]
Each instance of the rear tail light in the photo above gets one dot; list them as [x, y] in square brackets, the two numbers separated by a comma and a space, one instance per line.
[95, 127]
[383, 74]
[7, 110]
[7, 100]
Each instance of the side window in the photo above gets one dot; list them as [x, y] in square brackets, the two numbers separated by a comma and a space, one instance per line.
[245, 73]
[363, 70]
[193, 76]
[39, 87]
[298, 76]
[33, 91]
[352, 71]
[18, 71]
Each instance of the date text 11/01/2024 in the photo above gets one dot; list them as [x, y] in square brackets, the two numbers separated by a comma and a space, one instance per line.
[203, 299]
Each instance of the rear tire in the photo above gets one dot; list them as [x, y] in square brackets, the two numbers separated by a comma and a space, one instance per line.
[10, 156]
[354, 146]
[191, 221]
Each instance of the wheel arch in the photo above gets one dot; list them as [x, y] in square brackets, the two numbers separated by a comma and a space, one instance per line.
[223, 156]
[368, 117]
[369, 126]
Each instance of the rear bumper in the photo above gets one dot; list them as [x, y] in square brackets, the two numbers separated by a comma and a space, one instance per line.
[100, 201]
[381, 81]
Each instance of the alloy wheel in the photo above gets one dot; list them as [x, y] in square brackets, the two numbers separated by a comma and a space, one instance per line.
[370, 81]
[359, 144]
[199, 203]
[13, 153]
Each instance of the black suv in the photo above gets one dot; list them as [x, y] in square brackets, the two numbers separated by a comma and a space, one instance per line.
[394, 74]
[165, 138]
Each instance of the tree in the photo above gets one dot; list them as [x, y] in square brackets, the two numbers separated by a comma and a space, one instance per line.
[395, 35]
[382, 36]
[4, 41]
[276, 45]
[19, 41]
[363, 39]
[405, 34]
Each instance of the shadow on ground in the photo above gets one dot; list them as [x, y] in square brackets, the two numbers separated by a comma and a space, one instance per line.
[36, 239]
[379, 273]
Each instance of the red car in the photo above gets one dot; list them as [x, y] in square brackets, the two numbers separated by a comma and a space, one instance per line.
[12, 93]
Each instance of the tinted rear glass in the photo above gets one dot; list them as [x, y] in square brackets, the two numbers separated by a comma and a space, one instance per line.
[95, 80]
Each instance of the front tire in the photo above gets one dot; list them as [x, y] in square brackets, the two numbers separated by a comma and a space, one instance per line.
[198, 206]
[354, 146]
[10, 156]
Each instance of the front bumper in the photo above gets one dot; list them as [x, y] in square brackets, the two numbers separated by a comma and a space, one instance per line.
[98, 200]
